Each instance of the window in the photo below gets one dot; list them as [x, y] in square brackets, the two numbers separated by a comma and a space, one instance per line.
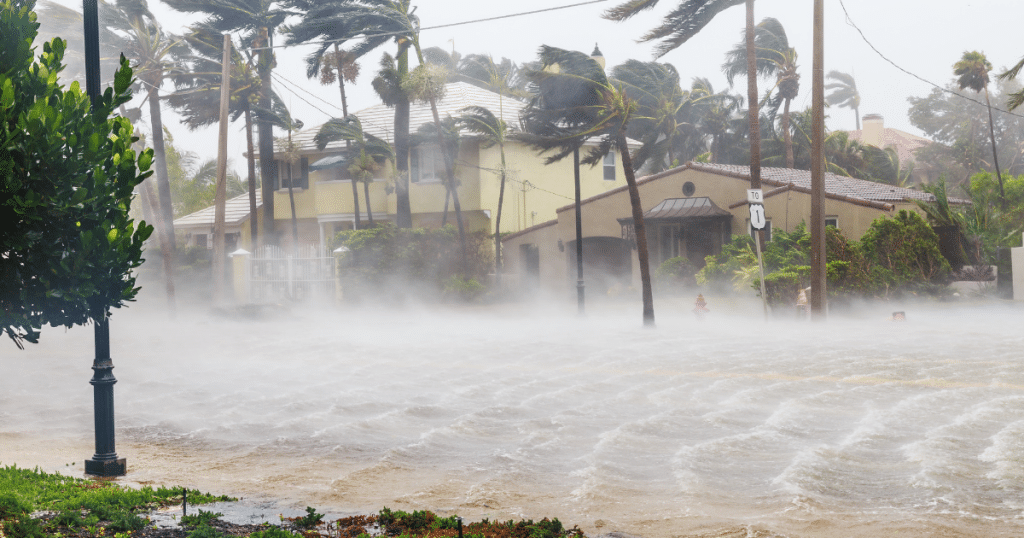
[425, 164]
[767, 230]
[297, 172]
[609, 166]
[832, 221]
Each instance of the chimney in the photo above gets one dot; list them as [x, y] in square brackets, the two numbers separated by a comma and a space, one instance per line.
[874, 126]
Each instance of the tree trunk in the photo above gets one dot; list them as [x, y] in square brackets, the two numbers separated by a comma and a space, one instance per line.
[355, 202]
[788, 136]
[251, 161]
[165, 249]
[268, 168]
[995, 156]
[856, 111]
[497, 221]
[291, 200]
[366, 196]
[447, 199]
[341, 81]
[163, 183]
[639, 230]
[403, 212]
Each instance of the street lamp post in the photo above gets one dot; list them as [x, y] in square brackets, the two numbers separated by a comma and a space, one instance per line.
[105, 462]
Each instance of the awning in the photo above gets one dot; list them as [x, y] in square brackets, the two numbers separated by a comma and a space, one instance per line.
[680, 209]
[331, 161]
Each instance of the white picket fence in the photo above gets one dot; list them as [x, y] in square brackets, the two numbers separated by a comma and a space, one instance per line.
[279, 274]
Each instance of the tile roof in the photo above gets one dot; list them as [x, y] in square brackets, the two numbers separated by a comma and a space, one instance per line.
[835, 185]
[236, 211]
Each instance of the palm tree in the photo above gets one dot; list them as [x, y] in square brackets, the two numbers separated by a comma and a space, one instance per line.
[661, 123]
[372, 151]
[290, 152]
[773, 56]
[715, 112]
[388, 86]
[844, 92]
[1017, 98]
[972, 72]
[324, 22]
[197, 95]
[686, 21]
[574, 103]
[493, 131]
[503, 78]
[258, 20]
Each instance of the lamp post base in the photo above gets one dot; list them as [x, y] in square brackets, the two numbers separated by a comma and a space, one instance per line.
[118, 467]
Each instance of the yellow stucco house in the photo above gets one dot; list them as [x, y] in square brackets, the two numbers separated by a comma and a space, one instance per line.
[690, 211]
[533, 192]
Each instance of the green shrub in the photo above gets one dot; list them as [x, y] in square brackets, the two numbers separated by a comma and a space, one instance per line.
[11, 506]
[278, 532]
[23, 527]
[308, 521]
[465, 289]
[202, 517]
[124, 521]
[205, 531]
[675, 273]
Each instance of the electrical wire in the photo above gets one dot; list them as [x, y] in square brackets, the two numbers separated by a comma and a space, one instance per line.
[303, 99]
[307, 92]
[849, 21]
[463, 23]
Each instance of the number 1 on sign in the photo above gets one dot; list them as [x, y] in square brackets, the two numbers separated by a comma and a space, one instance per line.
[757, 220]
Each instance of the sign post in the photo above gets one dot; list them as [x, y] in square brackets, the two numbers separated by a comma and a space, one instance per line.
[755, 200]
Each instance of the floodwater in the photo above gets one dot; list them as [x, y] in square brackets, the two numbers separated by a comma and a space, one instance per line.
[727, 427]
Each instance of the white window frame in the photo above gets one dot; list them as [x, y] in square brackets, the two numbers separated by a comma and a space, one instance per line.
[834, 218]
[609, 166]
[426, 157]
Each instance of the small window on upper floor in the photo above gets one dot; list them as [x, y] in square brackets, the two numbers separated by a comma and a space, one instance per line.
[609, 166]
[425, 164]
[832, 221]
[297, 173]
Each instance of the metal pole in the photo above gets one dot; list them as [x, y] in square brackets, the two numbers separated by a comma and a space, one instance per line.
[760, 266]
[105, 462]
[580, 298]
[818, 168]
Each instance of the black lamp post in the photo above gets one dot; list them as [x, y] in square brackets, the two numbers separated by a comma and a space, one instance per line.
[105, 462]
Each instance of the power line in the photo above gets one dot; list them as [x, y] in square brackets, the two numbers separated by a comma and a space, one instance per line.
[463, 23]
[884, 57]
[317, 97]
[328, 114]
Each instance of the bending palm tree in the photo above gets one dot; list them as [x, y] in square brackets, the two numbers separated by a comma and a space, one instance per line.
[844, 92]
[578, 103]
[258, 19]
[372, 151]
[972, 72]
[494, 132]
[773, 56]
[661, 124]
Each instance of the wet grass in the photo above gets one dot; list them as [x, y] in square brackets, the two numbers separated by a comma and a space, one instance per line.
[34, 504]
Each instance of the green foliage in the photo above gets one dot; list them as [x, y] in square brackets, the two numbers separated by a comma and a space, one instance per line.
[202, 517]
[675, 273]
[11, 506]
[308, 521]
[205, 531]
[466, 289]
[125, 521]
[903, 253]
[24, 527]
[277, 532]
[394, 262]
[67, 172]
[734, 267]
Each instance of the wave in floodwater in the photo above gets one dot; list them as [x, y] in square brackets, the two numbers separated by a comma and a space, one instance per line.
[731, 425]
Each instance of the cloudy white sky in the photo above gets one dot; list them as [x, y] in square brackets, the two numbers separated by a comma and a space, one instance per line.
[924, 37]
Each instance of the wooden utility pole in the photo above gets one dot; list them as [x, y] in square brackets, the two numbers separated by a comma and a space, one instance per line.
[818, 167]
[222, 169]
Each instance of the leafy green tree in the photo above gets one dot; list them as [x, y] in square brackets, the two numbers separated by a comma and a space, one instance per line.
[843, 92]
[972, 72]
[665, 123]
[903, 253]
[774, 56]
[576, 102]
[67, 172]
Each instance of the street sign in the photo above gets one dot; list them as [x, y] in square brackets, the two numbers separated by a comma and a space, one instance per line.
[757, 219]
[755, 196]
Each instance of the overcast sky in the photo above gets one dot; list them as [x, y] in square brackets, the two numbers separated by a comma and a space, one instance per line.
[924, 37]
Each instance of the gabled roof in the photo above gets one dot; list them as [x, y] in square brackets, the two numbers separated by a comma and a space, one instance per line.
[905, 144]
[236, 211]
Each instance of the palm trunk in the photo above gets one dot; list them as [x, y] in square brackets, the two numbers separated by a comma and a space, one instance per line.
[162, 182]
[366, 196]
[291, 201]
[447, 199]
[341, 81]
[639, 229]
[856, 111]
[403, 216]
[497, 222]
[355, 199]
[251, 161]
[995, 156]
[753, 112]
[268, 168]
[165, 249]
[787, 136]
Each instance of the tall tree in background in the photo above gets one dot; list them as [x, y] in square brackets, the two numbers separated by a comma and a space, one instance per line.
[662, 123]
[972, 72]
[1015, 99]
[197, 96]
[258, 21]
[774, 56]
[576, 102]
[716, 112]
[844, 92]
